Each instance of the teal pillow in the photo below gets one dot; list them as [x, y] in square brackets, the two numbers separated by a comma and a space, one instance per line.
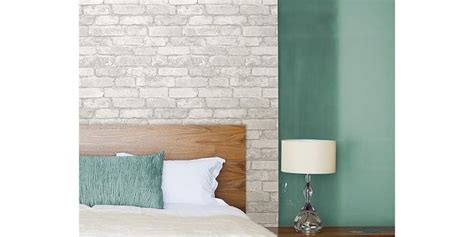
[128, 181]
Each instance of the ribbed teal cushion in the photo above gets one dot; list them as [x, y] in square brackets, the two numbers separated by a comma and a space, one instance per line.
[129, 181]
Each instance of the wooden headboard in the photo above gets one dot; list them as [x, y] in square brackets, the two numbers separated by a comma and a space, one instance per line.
[180, 142]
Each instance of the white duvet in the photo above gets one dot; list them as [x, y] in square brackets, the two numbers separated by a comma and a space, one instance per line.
[173, 220]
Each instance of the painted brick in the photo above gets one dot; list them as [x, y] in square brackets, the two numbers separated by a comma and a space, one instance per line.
[214, 92]
[128, 102]
[136, 113]
[187, 62]
[173, 71]
[259, 31]
[153, 92]
[182, 92]
[121, 92]
[128, 9]
[165, 31]
[222, 9]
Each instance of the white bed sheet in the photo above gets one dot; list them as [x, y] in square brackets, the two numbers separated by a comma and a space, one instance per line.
[175, 220]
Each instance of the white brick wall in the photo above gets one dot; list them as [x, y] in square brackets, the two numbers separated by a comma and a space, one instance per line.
[187, 62]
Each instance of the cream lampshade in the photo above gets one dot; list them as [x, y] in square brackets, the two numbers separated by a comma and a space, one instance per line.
[308, 156]
[305, 156]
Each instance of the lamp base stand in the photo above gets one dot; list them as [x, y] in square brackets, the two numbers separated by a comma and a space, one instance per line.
[308, 221]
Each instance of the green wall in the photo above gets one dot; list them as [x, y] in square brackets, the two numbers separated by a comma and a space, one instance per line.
[336, 81]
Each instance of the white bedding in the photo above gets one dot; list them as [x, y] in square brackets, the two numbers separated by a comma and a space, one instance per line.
[173, 220]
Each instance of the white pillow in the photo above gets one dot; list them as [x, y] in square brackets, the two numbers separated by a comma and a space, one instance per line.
[190, 181]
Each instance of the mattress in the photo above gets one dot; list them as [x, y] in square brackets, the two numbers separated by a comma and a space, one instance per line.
[174, 220]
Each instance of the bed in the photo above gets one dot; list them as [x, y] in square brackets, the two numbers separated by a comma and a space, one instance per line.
[180, 142]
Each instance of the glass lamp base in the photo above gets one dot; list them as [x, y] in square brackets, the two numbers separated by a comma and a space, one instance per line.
[308, 221]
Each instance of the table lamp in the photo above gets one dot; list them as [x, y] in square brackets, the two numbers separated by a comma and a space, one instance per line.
[308, 156]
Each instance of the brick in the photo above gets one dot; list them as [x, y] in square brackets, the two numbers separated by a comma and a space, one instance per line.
[200, 20]
[87, 50]
[106, 113]
[222, 102]
[145, 51]
[265, 50]
[128, 9]
[214, 92]
[230, 20]
[160, 103]
[86, 20]
[121, 92]
[270, 186]
[96, 10]
[153, 1]
[270, 93]
[214, 1]
[90, 92]
[218, 81]
[182, 92]
[247, 1]
[157, 82]
[191, 82]
[133, 60]
[106, 20]
[200, 113]
[182, 2]
[230, 113]
[96, 103]
[128, 102]
[254, 102]
[173, 71]
[260, 124]
[121, 1]
[171, 113]
[165, 31]
[106, 31]
[162, 9]
[222, 9]
[125, 81]
[265, 71]
[262, 207]
[226, 61]
[86, 71]
[254, 186]
[136, 20]
[170, 20]
[270, 2]
[109, 71]
[263, 113]
[271, 61]
[174, 50]
[136, 113]
[114, 50]
[262, 143]
[265, 165]
[190, 10]
[130, 40]
[141, 71]
[154, 92]
[247, 92]
[90, 2]
[231, 30]
[200, 31]
[97, 82]
[259, 31]
[191, 103]
[137, 30]
[257, 196]
[263, 20]
[254, 10]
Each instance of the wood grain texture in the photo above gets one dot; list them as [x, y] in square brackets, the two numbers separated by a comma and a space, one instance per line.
[180, 142]
[372, 231]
